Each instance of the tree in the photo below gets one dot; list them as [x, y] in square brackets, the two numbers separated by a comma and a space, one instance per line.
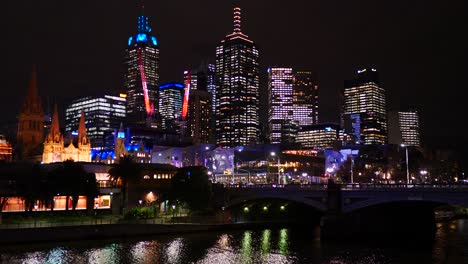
[191, 186]
[69, 179]
[122, 172]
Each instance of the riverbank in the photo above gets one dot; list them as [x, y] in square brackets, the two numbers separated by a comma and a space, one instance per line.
[119, 230]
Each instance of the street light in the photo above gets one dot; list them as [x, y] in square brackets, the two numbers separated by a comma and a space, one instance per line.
[407, 165]
[273, 154]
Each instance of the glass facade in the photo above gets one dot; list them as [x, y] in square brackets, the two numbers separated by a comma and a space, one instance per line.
[141, 78]
[237, 91]
[170, 103]
[322, 136]
[103, 115]
[305, 98]
[280, 92]
[364, 109]
[409, 126]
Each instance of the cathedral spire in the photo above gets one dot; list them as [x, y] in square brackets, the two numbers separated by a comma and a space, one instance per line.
[55, 126]
[33, 102]
[82, 128]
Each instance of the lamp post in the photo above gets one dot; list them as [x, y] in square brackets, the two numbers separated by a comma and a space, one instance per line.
[273, 154]
[352, 162]
[407, 165]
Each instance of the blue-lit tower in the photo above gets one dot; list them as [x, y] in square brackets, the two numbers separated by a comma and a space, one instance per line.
[142, 76]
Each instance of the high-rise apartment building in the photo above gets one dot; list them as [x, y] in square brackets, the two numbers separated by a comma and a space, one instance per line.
[403, 128]
[305, 98]
[364, 113]
[237, 92]
[142, 77]
[280, 92]
[170, 104]
[103, 116]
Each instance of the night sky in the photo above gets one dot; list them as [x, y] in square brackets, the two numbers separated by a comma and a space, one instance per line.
[418, 48]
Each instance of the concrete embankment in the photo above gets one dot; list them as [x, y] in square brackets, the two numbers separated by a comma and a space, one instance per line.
[68, 233]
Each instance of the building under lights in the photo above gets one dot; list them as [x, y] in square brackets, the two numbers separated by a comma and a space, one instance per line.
[5, 149]
[403, 128]
[198, 120]
[320, 136]
[104, 114]
[55, 149]
[364, 113]
[170, 104]
[305, 98]
[237, 91]
[293, 98]
[142, 77]
[280, 92]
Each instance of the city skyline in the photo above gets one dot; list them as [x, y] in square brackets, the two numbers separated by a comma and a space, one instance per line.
[414, 66]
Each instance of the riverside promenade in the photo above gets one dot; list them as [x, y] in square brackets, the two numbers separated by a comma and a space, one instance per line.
[108, 228]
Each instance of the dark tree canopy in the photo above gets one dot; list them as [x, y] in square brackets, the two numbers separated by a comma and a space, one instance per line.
[191, 186]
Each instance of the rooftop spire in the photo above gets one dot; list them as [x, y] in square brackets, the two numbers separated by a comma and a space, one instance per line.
[55, 126]
[237, 20]
[143, 24]
[32, 102]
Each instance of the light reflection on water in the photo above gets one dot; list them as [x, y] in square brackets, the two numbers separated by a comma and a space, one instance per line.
[286, 245]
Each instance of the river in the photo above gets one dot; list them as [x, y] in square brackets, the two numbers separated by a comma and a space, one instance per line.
[281, 245]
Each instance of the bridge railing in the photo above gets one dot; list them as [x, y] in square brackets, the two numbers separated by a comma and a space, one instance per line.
[352, 186]
[367, 186]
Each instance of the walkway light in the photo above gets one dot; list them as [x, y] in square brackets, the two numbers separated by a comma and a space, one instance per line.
[265, 208]
[246, 209]
[282, 208]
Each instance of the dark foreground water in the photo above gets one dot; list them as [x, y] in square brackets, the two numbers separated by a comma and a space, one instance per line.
[283, 245]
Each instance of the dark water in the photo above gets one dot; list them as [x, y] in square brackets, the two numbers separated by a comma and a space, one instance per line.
[283, 245]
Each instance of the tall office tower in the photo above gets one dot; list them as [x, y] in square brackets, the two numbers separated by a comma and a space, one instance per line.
[142, 77]
[103, 115]
[211, 88]
[199, 117]
[305, 98]
[237, 91]
[280, 92]
[364, 111]
[31, 124]
[170, 103]
[403, 128]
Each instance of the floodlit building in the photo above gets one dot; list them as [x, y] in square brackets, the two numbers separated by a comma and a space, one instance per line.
[141, 80]
[237, 91]
[320, 136]
[103, 115]
[5, 149]
[364, 113]
[54, 145]
[170, 104]
[404, 128]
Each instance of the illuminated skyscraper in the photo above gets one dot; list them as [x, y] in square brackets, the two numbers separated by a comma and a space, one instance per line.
[103, 115]
[199, 117]
[280, 92]
[170, 103]
[142, 77]
[403, 128]
[305, 98]
[237, 80]
[293, 98]
[364, 111]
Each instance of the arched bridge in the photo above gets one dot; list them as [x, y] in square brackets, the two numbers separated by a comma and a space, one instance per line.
[350, 197]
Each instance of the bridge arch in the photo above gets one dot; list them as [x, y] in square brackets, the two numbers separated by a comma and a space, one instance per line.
[316, 203]
[373, 202]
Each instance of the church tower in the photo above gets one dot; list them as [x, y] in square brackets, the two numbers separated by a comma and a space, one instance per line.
[53, 145]
[120, 149]
[30, 123]
[84, 145]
